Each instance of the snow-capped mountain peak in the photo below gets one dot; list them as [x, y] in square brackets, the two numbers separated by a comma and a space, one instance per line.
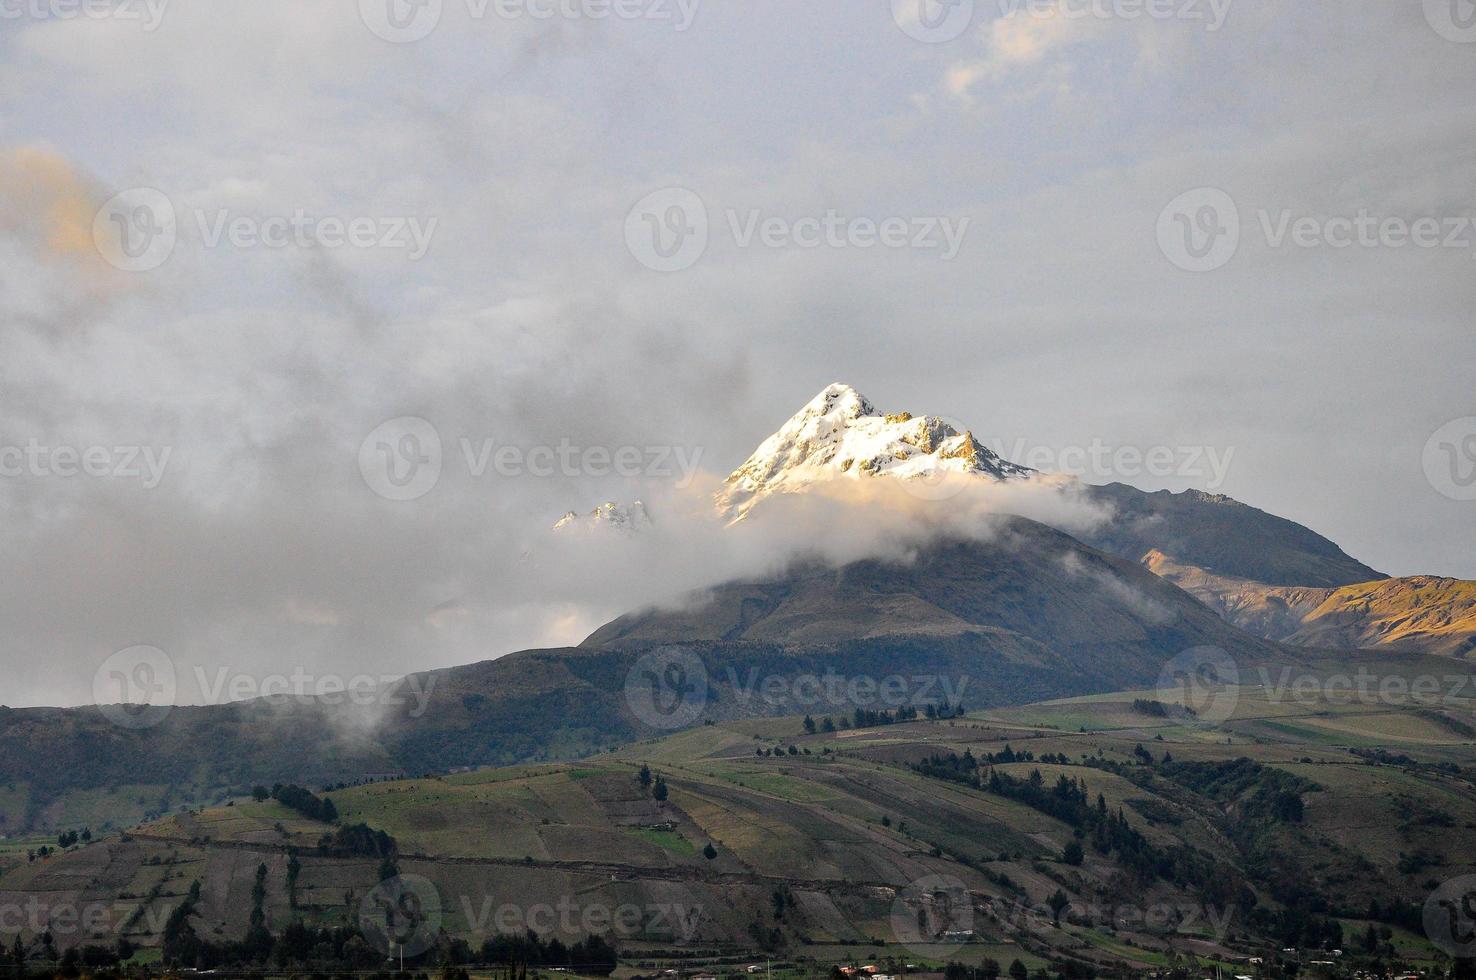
[608, 516]
[839, 434]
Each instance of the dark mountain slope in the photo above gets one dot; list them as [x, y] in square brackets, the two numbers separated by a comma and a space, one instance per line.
[1028, 614]
[1223, 536]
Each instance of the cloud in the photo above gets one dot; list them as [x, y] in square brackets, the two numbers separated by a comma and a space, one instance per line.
[1059, 322]
[1022, 38]
[52, 265]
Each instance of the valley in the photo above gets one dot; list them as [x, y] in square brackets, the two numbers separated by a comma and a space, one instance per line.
[844, 824]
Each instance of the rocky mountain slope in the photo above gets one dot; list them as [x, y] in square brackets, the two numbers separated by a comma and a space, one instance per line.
[1221, 536]
[1423, 612]
[1027, 613]
[1036, 594]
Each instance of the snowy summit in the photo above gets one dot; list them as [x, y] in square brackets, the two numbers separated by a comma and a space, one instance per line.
[608, 516]
[840, 434]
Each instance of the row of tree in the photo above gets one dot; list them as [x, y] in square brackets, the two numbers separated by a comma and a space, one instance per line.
[304, 801]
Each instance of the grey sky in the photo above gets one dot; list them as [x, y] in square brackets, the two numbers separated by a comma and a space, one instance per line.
[1062, 321]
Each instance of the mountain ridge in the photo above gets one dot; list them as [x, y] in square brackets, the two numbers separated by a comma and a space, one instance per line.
[840, 434]
[1423, 613]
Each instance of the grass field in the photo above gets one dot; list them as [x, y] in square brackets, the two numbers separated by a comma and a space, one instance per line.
[815, 850]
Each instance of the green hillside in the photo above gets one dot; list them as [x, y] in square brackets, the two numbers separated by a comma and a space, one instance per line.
[1293, 824]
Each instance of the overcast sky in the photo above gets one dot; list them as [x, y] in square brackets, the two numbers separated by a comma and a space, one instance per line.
[1060, 191]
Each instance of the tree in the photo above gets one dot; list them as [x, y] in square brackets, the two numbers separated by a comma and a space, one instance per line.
[1058, 903]
[645, 776]
[709, 851]
[1018, 971]
[658, 792]
[260, 793]
[1072, 854]
[809, 725]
